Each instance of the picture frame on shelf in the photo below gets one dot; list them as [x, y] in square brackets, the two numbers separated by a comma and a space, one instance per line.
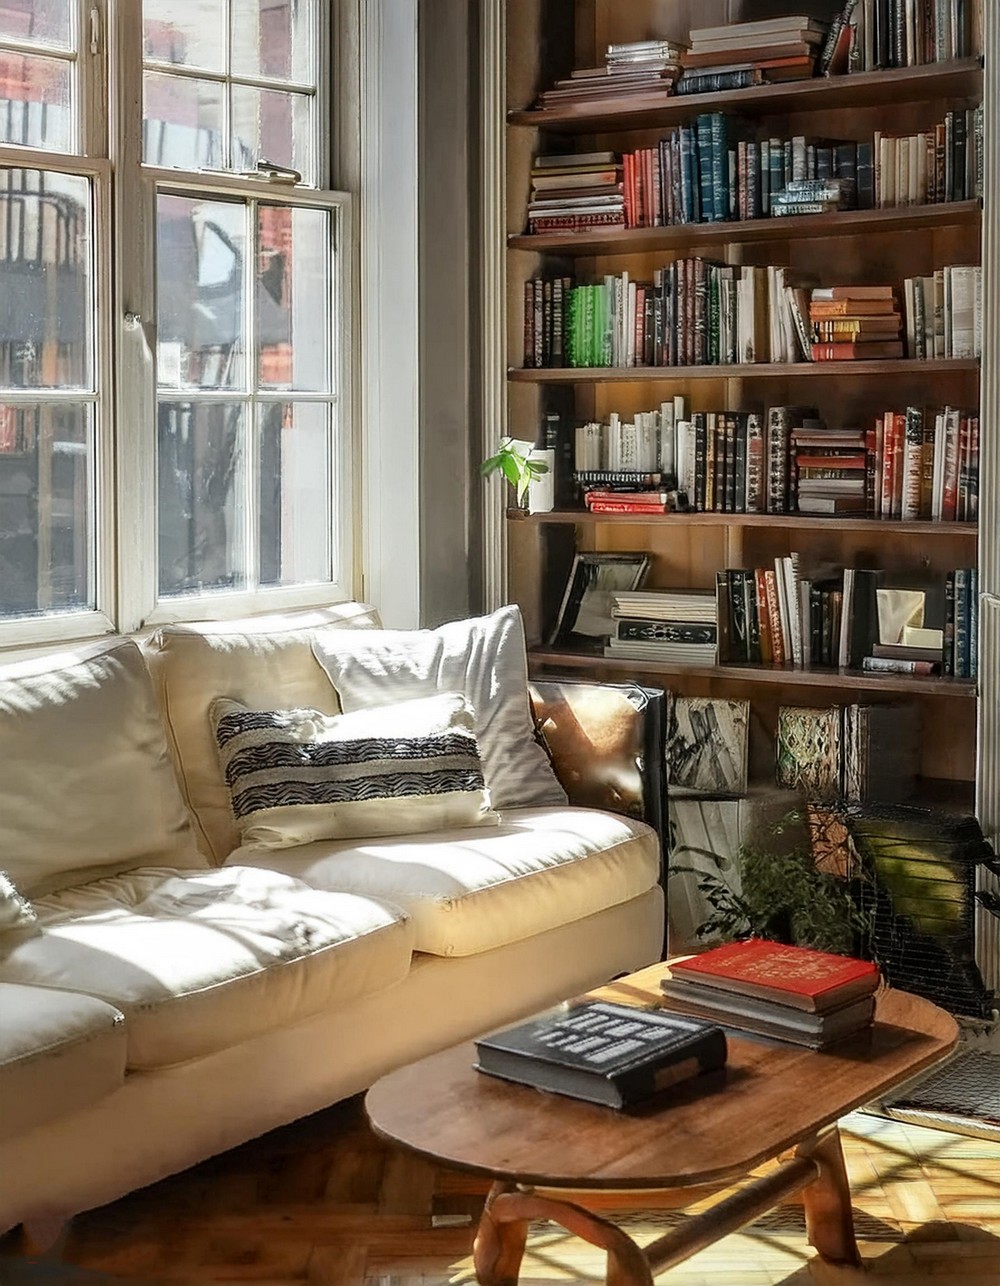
[584, 617]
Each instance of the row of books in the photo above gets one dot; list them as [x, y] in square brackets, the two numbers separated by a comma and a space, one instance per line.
[698, 174]
[944, 312]
[697, 312]
[919, 464]
[909, 33]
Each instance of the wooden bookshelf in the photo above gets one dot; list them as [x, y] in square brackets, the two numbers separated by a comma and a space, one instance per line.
[785, 522]
[874, 246]
[898, 366]
[784, 676]
[800, 227]
[960, 79]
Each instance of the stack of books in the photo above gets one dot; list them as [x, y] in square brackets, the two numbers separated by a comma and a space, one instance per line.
[641, 72]
[751, 53]
[851, 323]
[794, 994]
[675, 626]
[830, 470]
[570, 193]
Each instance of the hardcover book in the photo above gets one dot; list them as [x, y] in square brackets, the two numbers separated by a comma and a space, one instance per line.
[707, 739]
[807, 751]
[615, 1055]
[816, 981]
[769, 1017]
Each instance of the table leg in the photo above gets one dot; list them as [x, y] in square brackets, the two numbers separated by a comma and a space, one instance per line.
[503, 1231]
[827, 1201]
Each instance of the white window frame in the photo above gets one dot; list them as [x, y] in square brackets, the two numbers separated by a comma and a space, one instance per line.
[126, 576]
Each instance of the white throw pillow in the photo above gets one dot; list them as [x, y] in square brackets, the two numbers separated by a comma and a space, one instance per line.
[485, 658]
[301, 775]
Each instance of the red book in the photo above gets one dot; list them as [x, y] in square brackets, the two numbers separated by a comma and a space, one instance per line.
[816, 981]
[856, 351]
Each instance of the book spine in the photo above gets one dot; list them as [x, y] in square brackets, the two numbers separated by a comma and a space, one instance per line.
[665, 631]
[720, 167]
[948, 646]
[718, 82]
[962, 623]
[755, 464]
[890, 665]
[529, 323]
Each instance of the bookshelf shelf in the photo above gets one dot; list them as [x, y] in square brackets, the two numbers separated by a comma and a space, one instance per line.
[545, 658]
[801, 227]
[747, 371]
[960, 79]
[786, 522]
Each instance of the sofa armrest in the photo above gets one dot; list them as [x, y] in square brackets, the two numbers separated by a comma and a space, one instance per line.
[607, 744]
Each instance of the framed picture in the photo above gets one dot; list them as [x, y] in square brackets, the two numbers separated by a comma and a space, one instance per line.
[585, 611]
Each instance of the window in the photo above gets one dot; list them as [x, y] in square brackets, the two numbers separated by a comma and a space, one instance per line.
[173, 426]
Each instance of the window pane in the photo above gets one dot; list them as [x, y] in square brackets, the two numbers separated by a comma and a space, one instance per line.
[46, 509]
[294, 490]
[48, 22]
[202, 507]
[191, 33]
[271, 38]
[274, 126]
[45, 280]
[183, 123]
[293, 298]
[199, 283]
[35, 102]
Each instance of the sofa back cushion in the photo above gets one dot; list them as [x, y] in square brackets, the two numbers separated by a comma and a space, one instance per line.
[265, 663]
[88, 785]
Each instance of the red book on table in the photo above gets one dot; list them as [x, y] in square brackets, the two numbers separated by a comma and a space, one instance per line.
[798, 976]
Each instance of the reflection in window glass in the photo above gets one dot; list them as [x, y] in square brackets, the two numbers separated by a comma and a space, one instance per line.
[45, 267]
[189, 34]
[46, 508]
[293, 298]
[271, 38]
[43, 22]
[35, 102]
[295, 503]
[201, 490]
[200, 323]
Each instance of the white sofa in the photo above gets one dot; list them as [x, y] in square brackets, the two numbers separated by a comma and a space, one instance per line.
[179, 994]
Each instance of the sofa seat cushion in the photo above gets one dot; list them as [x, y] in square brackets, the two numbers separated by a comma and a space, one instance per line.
[475, 889]
[59, 1051]
[199, 961]
[267, 663]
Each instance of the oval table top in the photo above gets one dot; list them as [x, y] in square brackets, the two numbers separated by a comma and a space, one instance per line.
[715, 1127]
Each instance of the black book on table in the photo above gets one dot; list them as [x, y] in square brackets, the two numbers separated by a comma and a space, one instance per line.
[610, 1054]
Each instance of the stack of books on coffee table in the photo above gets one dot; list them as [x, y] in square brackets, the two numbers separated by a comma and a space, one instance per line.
[796, 994]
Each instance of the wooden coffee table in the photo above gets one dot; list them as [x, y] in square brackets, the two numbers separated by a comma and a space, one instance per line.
[771, 1101]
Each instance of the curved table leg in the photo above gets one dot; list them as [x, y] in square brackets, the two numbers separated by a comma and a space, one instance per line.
[503, 1231]
[827, 1202]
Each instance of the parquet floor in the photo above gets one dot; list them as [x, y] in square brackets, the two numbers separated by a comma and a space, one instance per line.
[324, 1203]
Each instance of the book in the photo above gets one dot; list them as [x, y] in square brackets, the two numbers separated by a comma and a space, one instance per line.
[769, 1018]
[815, 981]
[707, 745]
[610, 1054]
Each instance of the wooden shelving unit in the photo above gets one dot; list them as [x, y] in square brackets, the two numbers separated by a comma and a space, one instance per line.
[877, 245]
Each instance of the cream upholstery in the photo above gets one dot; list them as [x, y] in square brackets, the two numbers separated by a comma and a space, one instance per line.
[59, 1052]
[267, 664]
[201, 960]
[87, 782]
[475, 889]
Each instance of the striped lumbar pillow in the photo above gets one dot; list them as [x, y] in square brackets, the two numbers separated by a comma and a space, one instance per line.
[299, 775]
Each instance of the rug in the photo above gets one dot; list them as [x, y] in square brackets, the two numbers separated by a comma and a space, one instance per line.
[963, 1096]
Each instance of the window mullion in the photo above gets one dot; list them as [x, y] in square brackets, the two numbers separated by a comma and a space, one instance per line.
[251, 433]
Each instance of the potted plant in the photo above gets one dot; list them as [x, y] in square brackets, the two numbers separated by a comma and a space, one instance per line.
[515, 461]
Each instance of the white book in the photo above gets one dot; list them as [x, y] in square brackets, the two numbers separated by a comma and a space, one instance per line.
[846, 612]
[902, 171]
[614, 436]
[963, 309]
[937, 480]
[762, 26]
[668, 441]
[629, 321]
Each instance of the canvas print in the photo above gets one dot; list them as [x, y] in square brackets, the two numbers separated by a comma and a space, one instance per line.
[707, 742]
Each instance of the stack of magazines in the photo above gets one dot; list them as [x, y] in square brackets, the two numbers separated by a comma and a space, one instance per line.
[795, 994]
[676, 626]
[641, 71]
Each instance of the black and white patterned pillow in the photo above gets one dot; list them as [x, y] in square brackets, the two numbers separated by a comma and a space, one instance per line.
[299, 775]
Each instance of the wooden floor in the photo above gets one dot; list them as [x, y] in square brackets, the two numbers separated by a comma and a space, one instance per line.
[322, 1202]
